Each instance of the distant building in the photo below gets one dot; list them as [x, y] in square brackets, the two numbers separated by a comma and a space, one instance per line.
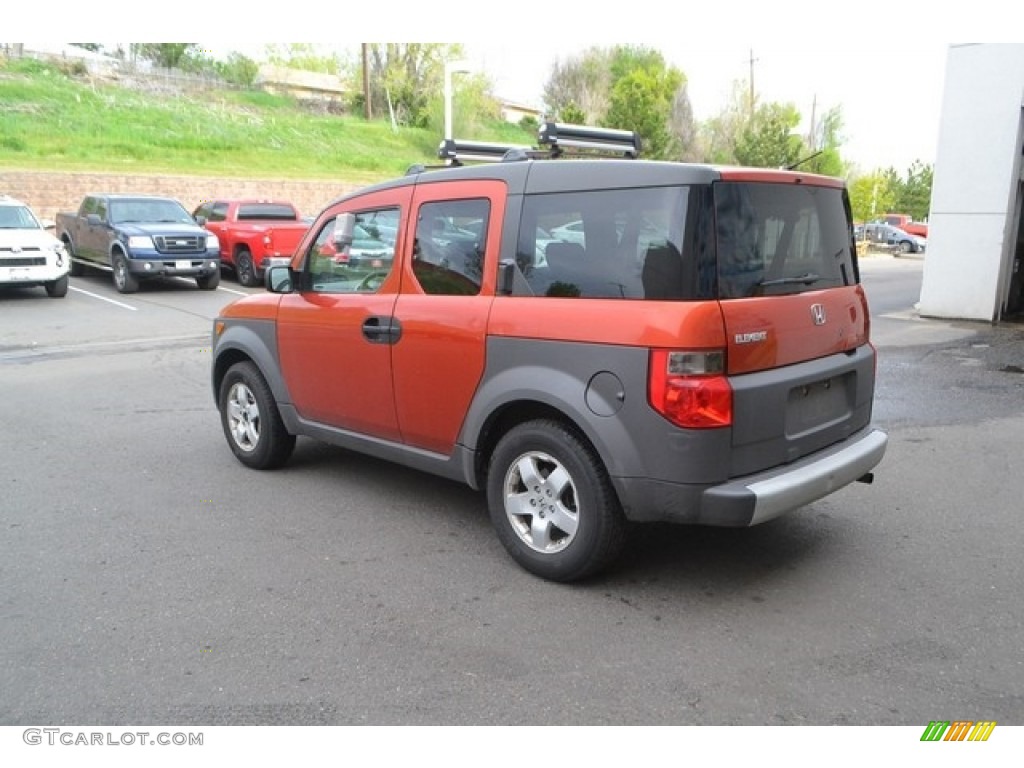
[514, 112]
[300, 83]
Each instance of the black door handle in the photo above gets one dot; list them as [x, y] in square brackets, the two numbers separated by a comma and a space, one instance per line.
[382, 329]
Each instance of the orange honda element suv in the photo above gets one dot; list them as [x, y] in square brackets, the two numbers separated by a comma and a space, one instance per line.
[591, 342]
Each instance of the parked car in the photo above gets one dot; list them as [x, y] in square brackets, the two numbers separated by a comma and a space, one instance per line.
[30, 255]
[252, 233]
[139, 237]
[725, 379]
[899, 240]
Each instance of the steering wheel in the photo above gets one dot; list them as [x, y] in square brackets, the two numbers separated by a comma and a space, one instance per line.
[372, 282]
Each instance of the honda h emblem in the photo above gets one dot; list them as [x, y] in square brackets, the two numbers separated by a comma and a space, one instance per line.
[818, 314]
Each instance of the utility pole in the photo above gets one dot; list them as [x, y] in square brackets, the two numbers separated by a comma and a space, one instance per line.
[366, 82]
[752, 60]
[812, 135]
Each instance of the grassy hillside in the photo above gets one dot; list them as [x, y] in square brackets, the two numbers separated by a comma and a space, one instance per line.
[55, 122]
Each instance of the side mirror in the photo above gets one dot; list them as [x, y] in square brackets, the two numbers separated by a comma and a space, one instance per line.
[94, 220]
[344, 229]
[279, 279]
[201, 221]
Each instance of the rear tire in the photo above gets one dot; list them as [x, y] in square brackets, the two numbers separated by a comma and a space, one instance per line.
[251, 420]
[552, 503]
[244, 269]
[77, 270]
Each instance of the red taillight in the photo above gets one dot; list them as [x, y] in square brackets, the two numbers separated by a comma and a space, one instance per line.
[689, 388]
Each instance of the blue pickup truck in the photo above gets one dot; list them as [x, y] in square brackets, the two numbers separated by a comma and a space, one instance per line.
[139, 237]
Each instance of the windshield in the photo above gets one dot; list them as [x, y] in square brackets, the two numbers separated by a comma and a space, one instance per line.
[148, 211]
[17, 217]
[781, 238]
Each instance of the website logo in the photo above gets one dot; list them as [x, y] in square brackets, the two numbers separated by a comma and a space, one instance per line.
[958, 730]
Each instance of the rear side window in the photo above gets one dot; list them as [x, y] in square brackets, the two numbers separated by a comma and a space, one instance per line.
[780, 239]
[646, 243]
[448, 254]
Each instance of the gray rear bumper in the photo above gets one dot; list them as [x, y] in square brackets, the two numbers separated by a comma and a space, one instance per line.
[766, 495]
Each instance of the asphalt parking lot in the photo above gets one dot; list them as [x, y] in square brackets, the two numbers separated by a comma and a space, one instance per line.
[148, 578]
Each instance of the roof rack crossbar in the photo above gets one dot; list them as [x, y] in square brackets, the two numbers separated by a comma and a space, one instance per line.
[457, 151]
[560, 136]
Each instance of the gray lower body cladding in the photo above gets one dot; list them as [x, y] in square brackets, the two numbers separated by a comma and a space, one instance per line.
[799, 432]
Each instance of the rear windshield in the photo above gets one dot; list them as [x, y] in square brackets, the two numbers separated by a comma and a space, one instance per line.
[781, 238]
[730, 240]
[265, 211]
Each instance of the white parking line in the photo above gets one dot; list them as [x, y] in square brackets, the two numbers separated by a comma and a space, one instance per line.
[103, 298]
[219, 287]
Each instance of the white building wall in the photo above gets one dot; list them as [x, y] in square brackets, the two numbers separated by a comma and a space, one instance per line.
[977, 165]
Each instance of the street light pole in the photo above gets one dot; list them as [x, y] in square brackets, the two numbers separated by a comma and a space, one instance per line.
[450, 68]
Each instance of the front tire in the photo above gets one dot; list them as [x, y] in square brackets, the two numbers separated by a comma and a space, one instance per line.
[906, 246]
[210, 282]
[124, 281]
[250, 418]
[58, 288]
[552, 503]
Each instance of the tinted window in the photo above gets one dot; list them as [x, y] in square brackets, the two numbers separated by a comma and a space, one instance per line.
[219, 212]
[781, 238]
[261, 211]
[622, 244]
[448, 255]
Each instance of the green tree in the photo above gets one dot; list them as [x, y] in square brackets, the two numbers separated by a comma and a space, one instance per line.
[625, 87]
[582, 84]
[239, 69]
[719, 136]
[408, 78]
[309, 57]
[643, 99]
[767, 141]
[870, 196]
[823, 148]
[572, 114]
[914, 191]
[167, 55]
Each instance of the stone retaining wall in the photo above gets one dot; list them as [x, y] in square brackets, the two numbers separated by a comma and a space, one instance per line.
[47, 193]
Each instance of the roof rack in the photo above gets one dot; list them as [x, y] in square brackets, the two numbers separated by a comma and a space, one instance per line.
[562, 136]
[457, 151]
[557, 140]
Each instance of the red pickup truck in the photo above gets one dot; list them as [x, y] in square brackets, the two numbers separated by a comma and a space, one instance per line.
[907, 224]
[251, 233]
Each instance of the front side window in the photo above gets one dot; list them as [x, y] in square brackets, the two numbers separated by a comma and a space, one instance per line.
[781, 238]
[448, 255]
[219, 212]
[360, 267]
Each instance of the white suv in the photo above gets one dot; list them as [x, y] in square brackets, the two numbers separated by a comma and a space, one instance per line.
[29, 255]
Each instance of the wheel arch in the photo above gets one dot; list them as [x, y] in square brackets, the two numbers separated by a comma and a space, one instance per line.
[253, 341]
